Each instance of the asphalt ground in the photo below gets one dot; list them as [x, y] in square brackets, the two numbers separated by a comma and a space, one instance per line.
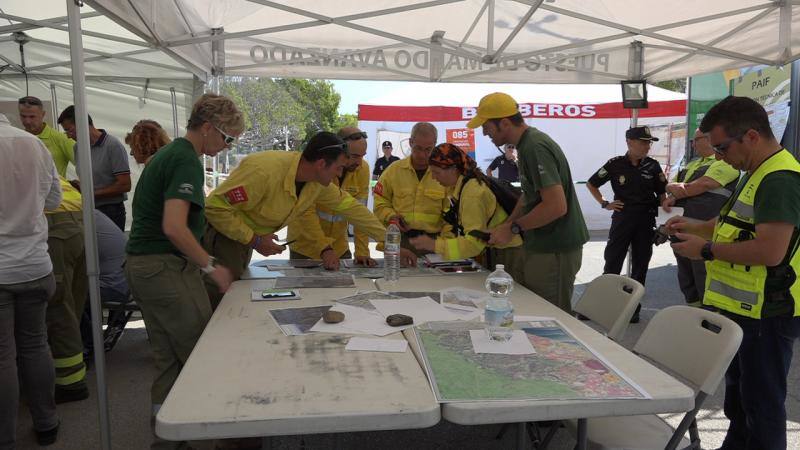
[129, 371]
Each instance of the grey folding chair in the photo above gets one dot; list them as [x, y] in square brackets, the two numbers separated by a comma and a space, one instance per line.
[693, 343]
[610, 301]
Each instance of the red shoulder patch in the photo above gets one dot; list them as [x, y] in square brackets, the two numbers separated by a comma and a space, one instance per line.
[378, 189]
[236, 195]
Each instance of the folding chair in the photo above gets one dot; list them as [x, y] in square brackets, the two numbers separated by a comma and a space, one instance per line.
[693, 343]
[610, 301]
[113, 331]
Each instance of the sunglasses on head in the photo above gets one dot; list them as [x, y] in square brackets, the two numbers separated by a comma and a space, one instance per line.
[343, 146]
[225, 136]
[33, 101]
[356, 136]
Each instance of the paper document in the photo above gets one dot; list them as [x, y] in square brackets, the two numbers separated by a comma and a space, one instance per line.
[422, 309]
[377, 345]
[357, 321]
[519, 344]
[664, 216]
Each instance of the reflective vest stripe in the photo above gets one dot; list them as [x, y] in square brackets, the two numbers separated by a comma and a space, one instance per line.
[330, 217]
[65, 363]
[743, 210]
[729, 291]
[71, 378]
[721, 191]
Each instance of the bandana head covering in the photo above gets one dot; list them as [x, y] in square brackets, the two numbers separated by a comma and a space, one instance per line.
[448, 155]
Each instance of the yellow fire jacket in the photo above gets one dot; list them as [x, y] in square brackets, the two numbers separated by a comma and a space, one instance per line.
[321, 227]
[477, 210]
[399, 191]
[70, 198]
[260, 198]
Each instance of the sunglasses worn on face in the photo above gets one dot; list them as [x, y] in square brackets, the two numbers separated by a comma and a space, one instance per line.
[356, 136]
[722, 147]
[225, 136]
[32, 101]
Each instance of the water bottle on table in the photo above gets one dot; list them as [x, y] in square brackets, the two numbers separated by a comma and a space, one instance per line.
[499, 313]
[391, 253]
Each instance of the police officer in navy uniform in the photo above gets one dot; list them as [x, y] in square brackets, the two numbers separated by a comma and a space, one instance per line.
[639, 187]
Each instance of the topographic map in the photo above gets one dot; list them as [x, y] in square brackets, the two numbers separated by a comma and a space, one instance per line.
[562, 368]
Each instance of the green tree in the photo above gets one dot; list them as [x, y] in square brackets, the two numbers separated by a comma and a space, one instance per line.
[678, 85]
[283, 113]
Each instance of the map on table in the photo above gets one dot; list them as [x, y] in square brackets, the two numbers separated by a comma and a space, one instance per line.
[436, 296]
[362, 300]
[562, 368]
[298, 321]
[377, 272]
[343, 280]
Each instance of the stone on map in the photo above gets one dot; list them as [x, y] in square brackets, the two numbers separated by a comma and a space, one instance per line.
[398, 320]
[333, 316]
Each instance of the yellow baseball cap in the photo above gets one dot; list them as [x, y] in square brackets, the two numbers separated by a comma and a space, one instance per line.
[494, 106]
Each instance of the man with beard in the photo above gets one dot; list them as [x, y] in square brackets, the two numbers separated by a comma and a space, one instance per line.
[322, 233]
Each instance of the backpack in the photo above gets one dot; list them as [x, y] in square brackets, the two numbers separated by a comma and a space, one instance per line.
[504, 192]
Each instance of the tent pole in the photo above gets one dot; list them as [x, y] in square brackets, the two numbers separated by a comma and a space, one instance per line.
[89, 236]
[792, 136]
[218, 75]
[174, 99]
[635, 70]
[53, 103]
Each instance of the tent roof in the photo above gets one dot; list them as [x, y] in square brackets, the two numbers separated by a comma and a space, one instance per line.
[462, 94]
[533, 41]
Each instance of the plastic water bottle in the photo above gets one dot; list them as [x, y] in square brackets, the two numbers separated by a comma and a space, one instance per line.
[391, 253]
[499, 312]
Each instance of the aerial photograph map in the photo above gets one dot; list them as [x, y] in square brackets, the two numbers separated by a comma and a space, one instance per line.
[562, 368]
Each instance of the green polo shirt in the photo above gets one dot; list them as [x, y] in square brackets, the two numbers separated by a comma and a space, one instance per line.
[174, 172]
[542, 164]
[60, 147]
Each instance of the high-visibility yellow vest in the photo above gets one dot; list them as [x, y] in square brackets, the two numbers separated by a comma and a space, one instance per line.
[737, 288]
[70, 198]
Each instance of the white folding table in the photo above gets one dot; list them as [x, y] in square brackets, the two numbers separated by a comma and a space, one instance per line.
[668, 395]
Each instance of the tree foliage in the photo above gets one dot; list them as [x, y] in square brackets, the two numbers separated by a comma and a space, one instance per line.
[678, 85]
[283, 113]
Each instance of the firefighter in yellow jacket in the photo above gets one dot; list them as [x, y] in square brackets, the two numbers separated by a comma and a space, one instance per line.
[321, 228]
[270, 190]
[408, 192]
[471, 206]
[64, 311]
[752, 266]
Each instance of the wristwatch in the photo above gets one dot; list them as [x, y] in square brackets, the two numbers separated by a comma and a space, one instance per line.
[515, 228]
[706, 252]
[210, 267]
[603, 204]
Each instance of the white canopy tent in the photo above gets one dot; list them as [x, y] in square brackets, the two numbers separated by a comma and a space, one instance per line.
[539, 41]
[544, 41]
[127, 79]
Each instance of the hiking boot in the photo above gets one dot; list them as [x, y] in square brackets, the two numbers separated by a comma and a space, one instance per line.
[47, 437]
